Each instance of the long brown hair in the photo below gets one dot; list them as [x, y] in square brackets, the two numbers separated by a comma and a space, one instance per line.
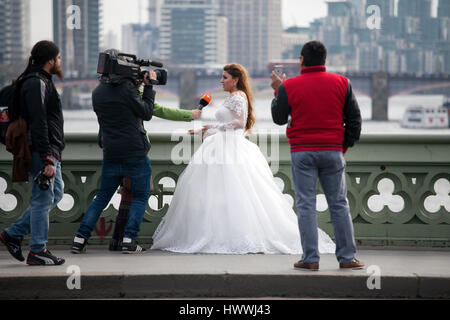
[238, 71]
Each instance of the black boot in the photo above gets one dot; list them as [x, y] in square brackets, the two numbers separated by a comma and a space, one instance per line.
[121, 221]
[115, 245]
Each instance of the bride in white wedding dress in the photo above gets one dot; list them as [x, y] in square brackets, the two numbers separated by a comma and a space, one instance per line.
[226, 200]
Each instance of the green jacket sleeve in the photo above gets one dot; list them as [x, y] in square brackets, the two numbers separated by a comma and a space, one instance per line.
[172, 114]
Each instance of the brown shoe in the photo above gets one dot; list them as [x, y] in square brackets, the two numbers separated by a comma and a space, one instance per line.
[313, 266]
[355, 265]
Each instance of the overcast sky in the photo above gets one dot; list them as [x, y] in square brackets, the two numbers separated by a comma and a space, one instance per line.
[118, 12]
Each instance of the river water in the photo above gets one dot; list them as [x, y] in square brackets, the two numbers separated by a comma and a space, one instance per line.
[86, 120]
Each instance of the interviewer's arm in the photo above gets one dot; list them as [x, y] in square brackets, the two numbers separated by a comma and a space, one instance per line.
[172, 114]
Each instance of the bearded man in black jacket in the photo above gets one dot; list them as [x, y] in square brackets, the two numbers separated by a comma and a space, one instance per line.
[121, 111]
[40, 107]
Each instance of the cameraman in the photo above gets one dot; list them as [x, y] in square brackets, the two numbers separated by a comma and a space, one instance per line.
[125, 190]
[120, 111]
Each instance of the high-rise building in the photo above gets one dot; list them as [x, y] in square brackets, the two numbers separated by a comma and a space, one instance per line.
[338, 25]
[358, 13]
[293, 40]
[443, 64]
[414, 8]
[387, 7]
[410, 41]
[443, 48]
[254, 32]
[444, 9]
[189, 33]
[358, 7]
[444, 29]
[141, 40]
[80, 46]
[154, 12]
[431, 30]
[339, 9]
[14, 31]
[110, 41]
[26, 27]
[222, 40]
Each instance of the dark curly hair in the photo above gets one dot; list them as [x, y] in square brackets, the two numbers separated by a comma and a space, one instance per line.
[42, 52]
[314, 53]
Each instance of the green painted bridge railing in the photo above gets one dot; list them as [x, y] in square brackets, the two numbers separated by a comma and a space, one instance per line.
[398, 188]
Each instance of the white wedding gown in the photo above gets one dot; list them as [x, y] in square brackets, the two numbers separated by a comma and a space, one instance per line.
[226, 200]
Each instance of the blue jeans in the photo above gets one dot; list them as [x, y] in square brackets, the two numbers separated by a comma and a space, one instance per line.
[328, 167]
[139, 171]
[35, 219]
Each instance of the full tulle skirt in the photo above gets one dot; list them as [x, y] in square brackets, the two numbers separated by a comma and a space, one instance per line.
[227, 202]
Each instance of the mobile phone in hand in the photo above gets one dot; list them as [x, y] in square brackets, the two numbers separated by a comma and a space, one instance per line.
[279, 70]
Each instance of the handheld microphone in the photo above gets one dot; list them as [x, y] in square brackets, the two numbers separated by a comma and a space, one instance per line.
[204, 101]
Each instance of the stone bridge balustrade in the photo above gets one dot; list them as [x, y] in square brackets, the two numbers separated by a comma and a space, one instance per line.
[398, 189]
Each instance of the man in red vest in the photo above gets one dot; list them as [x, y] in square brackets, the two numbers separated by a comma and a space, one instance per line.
[324, 121]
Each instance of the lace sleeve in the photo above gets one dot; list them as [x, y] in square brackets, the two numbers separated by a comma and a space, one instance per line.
[238, 107]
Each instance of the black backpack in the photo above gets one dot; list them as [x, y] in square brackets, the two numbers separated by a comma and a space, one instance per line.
[6, 109]
[10, 103]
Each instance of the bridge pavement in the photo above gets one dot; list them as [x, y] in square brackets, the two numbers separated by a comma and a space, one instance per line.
[404, 273]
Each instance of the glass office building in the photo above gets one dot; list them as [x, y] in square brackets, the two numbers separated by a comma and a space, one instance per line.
[80, 46]
[189, 32]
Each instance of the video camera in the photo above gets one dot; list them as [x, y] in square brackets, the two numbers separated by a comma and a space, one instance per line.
[129, 66]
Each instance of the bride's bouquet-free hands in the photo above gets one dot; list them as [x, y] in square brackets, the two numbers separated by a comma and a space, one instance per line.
[201, 131]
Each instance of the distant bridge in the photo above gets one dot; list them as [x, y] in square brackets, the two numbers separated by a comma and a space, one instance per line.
[380, 86]
[400, 83]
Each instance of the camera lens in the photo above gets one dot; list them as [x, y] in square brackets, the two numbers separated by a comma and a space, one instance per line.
[161, 76]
